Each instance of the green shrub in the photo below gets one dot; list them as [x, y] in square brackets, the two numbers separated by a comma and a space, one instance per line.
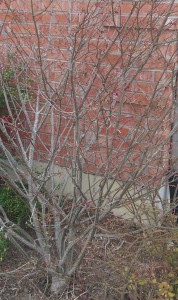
[15, 208]
[11, 88]
[159, 275]
[2, 99]
[4, 245]
[7, 75]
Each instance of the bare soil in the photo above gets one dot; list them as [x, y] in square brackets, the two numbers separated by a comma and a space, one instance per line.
[19, 278]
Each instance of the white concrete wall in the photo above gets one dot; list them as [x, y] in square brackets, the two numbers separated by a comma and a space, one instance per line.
[139, 204]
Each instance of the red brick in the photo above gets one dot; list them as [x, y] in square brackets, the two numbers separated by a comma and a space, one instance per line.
[108, 20]
[63, 18]
[127, 120]
[43, 5]
[60, 6]
[60, 43]
[9, 4]
[133, 22]
[79, 6]
[143, 75]
[18, 28]
[122, 132]
[44, 18]
[143, 87]
[153, 8]
[108, 131]
[55, 30]
[57, 54]
[126, 7]
[42, 147]
[138, 100]
[135, 103]
[112, 59]
[94, 45]
[4, 5]
[45, 128]
[44, 138]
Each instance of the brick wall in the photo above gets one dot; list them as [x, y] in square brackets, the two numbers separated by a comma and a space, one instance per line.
[104, 75]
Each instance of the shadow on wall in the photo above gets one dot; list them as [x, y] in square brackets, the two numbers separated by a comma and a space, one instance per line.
[173, 188]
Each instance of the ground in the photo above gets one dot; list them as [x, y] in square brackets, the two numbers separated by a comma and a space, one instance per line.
[115, 263]
[23, 280]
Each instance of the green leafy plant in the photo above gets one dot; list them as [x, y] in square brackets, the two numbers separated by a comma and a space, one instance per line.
[2, 99]
[9, 86]
[162, 280]
[17, 211]
[4, 245]
[7, 75]
[15, 208]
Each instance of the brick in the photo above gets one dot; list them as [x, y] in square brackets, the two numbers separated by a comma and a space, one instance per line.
[143, 75]
[79, 6]
[45, 128]
[169, 51]
[127, 120]
[126, 7]
[122, 132]
[163, 76]
[18, 28]
[67, 131]
[112, 59]
[63, 18]
[42, 5]
[109, 20]
[44, 18]
[56, 30]
[60, 6]
[153, 8]
[137, 104]
[4, 5]
[44, 138]
[9, 16]
[143, 87]
[134, 22]
[95, 45]
[107, 131]
[136, 97]
[9, 4]
[60, 43]
[57, 54]
[42, 147]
